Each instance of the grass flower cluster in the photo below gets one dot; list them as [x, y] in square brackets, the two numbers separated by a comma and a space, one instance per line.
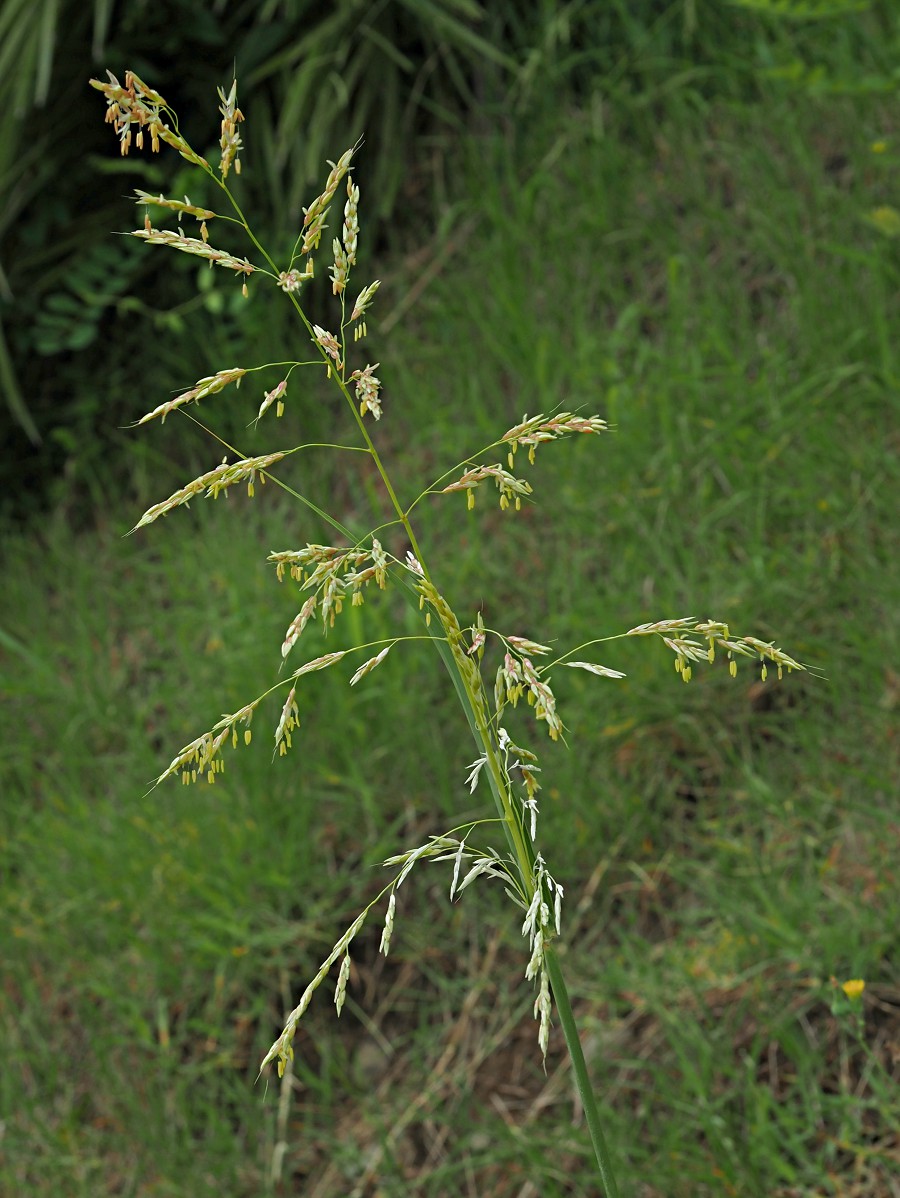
[491, 669]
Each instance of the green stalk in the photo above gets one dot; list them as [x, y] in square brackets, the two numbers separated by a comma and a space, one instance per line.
[524, 856]
[579, 1067]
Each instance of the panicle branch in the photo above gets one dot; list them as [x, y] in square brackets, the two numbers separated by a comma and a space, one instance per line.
[510, 487]
[202, 757]
[681, 636]
[331, 573]
[534, 430]
[181, 206]
[205, 386]
[438, 848]
[517, 677]
[139, 105]
[314, 215]
[282, 1048]
[212, 483]
[196, 246]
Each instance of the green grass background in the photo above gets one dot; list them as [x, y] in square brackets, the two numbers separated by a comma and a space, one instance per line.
[703, 275]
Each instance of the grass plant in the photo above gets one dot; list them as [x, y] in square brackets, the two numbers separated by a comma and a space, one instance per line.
[331, 575]
[737, 847]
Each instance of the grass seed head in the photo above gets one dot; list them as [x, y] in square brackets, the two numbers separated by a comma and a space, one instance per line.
[205, 386]
[197, 246]
[364, 299]
[368, 390]
[230, 140]
[212, 484]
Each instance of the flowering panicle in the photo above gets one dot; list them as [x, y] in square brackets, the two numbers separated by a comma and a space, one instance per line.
[510, 487]
[681, 636]
[538, 928]
[593, 668]
[314, 215]
[137, 104]
[202, 757]
[340, 270]
[368, 390]
[516, 677]
[329, 343]
[370, 665]
[212, 483]
[203, 387]
[537, 429]
[364, 299]
[288, 721]
[290, 281]
[330, 573]
[297, 625]
[276, 396]
[351, 222]
[523, 761]
[196, 246]
[436, 848]
[523, 645]
[134, 104]
[388, 929]
[282, 1049]
[328, 576]
[230, 141]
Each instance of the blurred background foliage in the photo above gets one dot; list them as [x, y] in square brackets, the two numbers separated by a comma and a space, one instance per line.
[417, 78]
[683, 215]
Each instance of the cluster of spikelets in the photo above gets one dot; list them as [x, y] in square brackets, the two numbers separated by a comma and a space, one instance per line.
[532, 432]
[541, 902]
[543, 912]
[327, 575]
[140, 107]
[213, 483]
[330, 573]
[696, 641]
[134, 109]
